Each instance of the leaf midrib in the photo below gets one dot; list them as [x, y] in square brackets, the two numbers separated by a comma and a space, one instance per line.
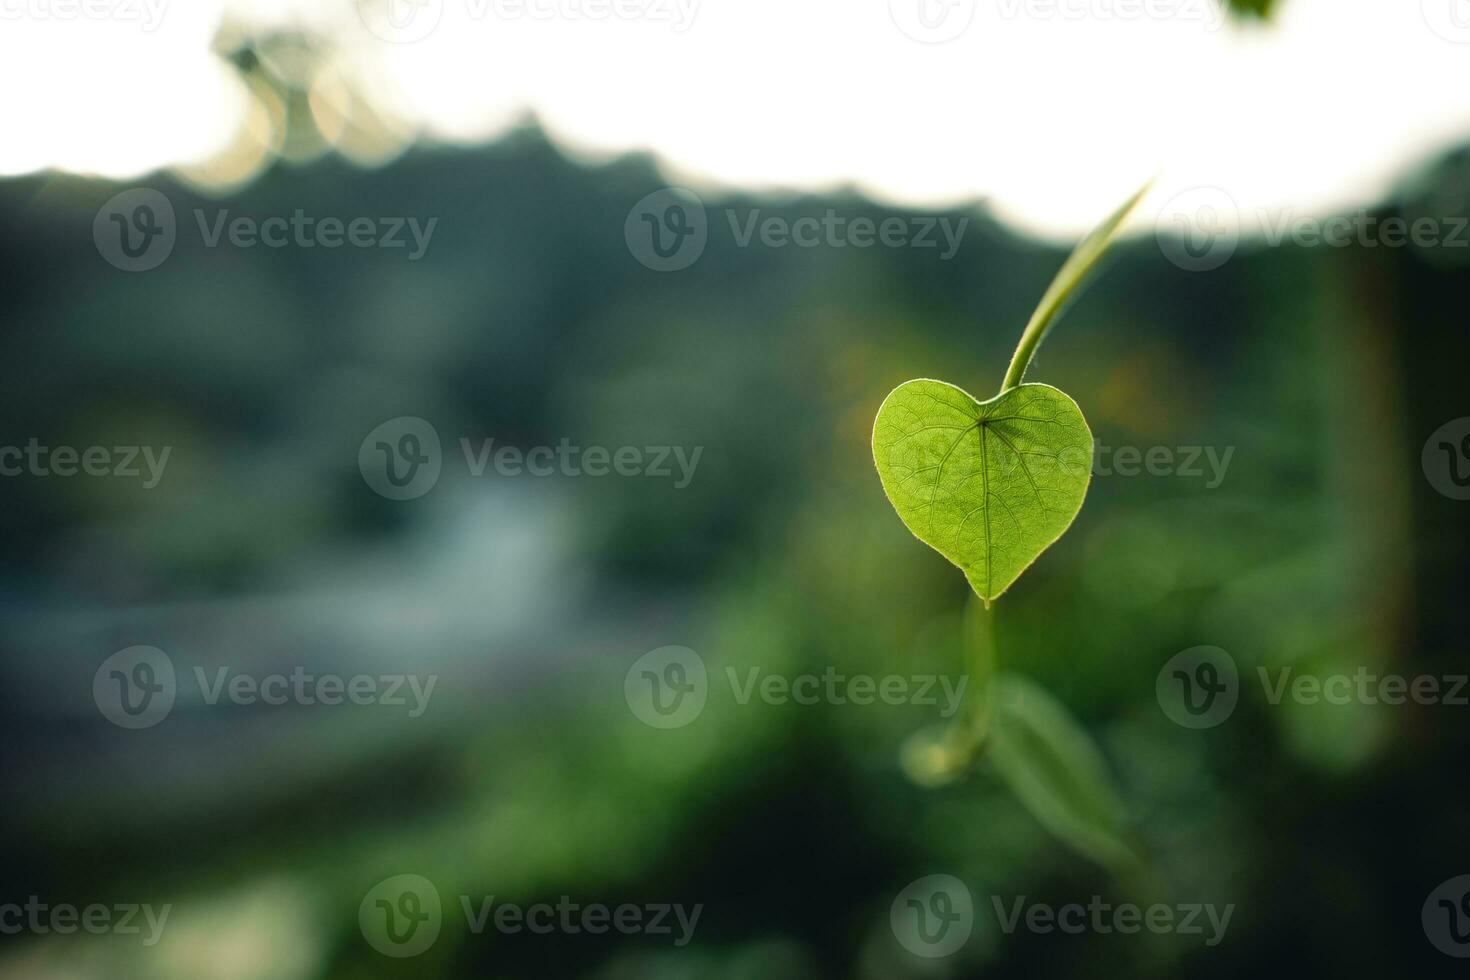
[983, 423]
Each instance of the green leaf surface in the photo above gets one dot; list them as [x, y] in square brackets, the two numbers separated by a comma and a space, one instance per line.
[989, 485]
[1057, 772]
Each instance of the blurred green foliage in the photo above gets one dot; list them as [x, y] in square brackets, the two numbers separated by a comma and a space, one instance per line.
[1259, 9]
[794, 825]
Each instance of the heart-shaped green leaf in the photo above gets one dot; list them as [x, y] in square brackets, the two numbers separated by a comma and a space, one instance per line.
[989, 485]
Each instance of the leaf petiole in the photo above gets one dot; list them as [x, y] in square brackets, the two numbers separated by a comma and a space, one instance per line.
[1074, 271]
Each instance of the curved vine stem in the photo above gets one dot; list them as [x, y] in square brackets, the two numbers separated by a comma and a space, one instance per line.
[1072, 274]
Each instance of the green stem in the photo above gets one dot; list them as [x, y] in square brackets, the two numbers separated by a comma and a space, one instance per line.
[943, 753]
[1074, 271]
[981, 644]
[967, 734]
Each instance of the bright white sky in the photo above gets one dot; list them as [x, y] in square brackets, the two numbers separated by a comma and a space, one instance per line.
[1053, 109]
